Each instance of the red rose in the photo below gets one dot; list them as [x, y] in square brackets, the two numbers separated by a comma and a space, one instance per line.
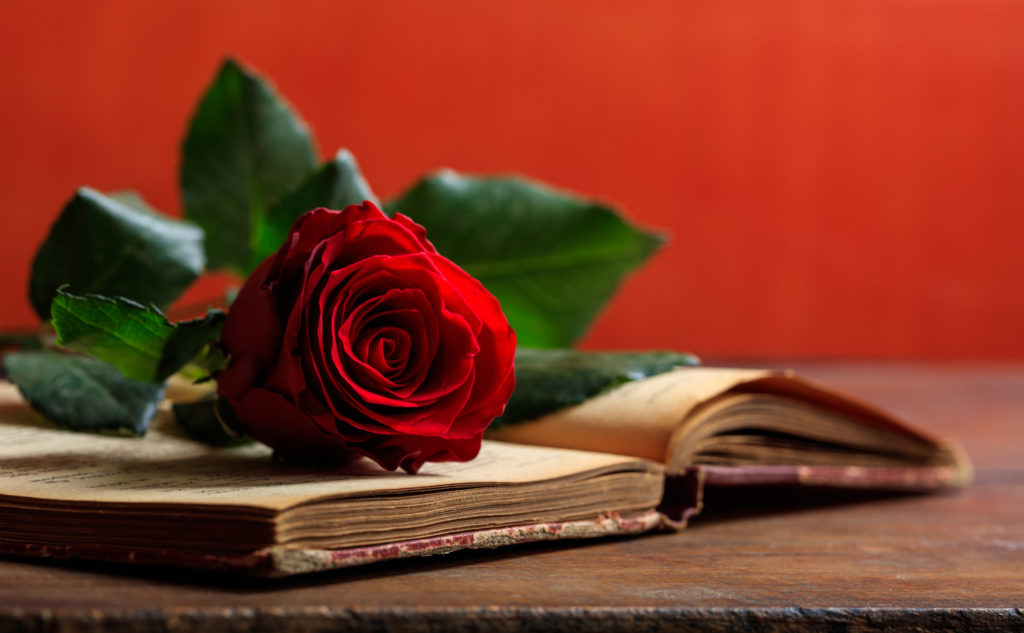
[358, 338]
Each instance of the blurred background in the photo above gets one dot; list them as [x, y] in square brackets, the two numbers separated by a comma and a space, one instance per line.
[840, 179]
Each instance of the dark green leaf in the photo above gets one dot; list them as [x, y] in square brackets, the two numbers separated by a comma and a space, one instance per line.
[549, 380]
[244, 149]
[200, 421]
[137, 340]
[337, 184]
[18, 341]
[551, 259]
[102, 246]
[123, 333]
[188, 340]
[82, 393]
[133, 199]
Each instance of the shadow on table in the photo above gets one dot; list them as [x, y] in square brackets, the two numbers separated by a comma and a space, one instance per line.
[722, 503]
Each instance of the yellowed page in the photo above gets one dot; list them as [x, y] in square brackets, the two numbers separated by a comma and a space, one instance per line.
[636, 419]
[40, 461]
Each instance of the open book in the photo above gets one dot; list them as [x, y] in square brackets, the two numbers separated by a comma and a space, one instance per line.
[165, 499]
[718, 427]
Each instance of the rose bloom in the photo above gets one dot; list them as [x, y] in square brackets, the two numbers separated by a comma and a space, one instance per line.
[357, 338]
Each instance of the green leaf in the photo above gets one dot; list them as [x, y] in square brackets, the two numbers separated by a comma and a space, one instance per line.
[136, 339]
[337, 184]
[200, 421]
[245, 148]
[82, 393]
[188, 340]
[99, 245]
[118, 331]
[549, 380]
[551, 259]
[133, 199]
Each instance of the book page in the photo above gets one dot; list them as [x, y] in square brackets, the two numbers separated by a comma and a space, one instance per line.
[40, 461]
[636, 419]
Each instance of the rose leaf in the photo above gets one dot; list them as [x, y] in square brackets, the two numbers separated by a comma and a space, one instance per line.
[133, 199]
[101, 245]
[118, 331]
[201, 422]
[83, 393]
[335, 185]
[187, 342]
[244, 149]
[551, 379]
[553, 260]
[135, 339]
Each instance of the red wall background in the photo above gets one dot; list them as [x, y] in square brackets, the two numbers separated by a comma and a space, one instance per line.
[840, 178]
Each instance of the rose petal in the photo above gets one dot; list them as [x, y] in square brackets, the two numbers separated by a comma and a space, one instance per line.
[410, 453]
[250, 335]
[270, 418]
[497, 339]
[361, 333]
[365, 379]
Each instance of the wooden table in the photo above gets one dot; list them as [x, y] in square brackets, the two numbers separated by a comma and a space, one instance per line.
[943, 562]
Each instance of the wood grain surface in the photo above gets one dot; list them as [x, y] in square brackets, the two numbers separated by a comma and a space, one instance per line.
[941, 562]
